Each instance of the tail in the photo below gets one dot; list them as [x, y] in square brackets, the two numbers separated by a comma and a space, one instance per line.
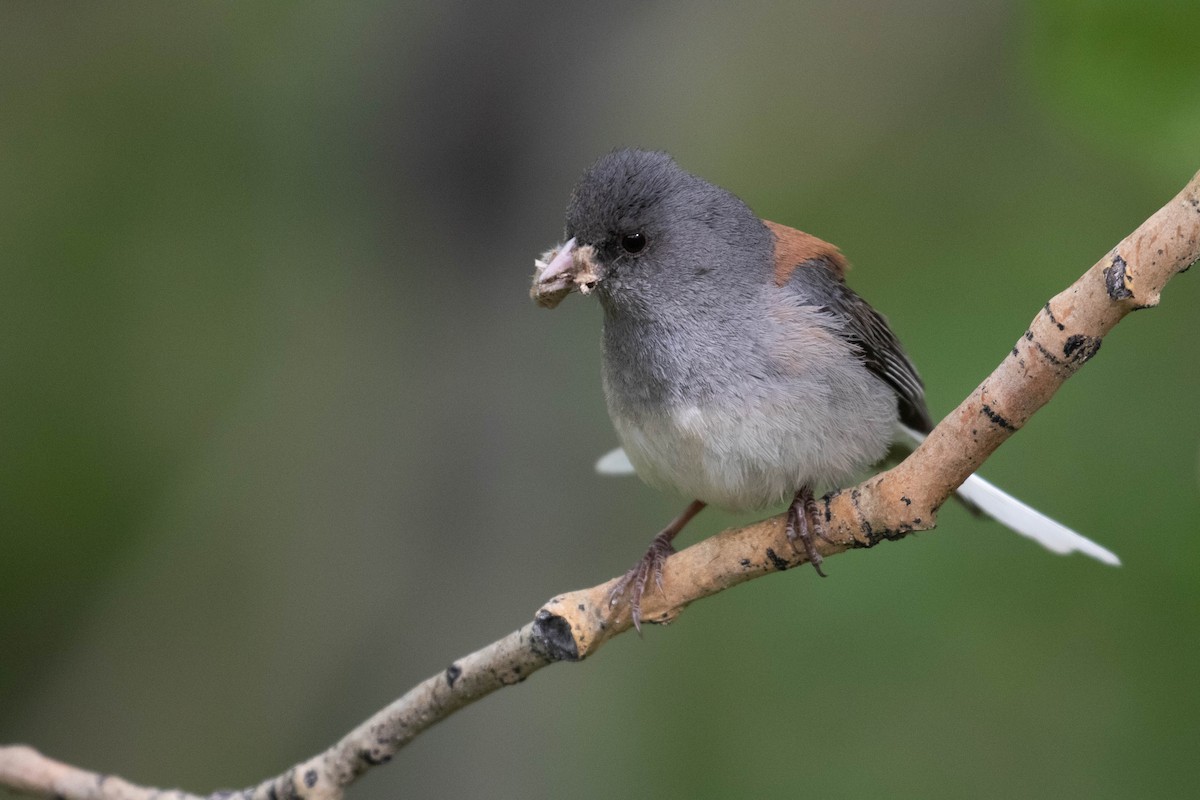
[978, 495]
[1020, 518]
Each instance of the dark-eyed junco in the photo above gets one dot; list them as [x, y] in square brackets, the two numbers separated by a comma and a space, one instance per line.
[739, 368]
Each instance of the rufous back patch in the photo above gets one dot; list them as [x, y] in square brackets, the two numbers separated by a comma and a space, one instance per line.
[793, 248]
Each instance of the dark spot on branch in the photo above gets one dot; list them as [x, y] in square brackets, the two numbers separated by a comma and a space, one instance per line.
[288, 782]
[1046, 354]
[893, 535]
[864, 524]
[453, 673]
[581, 607]
[996, 418]
[1080, 348]
[744, 562]
[368, 757]
[272, 792]
[777, 562]
[1114, 279]
[310, 778]
[1050, 314]
[905, 500]
[552, 637]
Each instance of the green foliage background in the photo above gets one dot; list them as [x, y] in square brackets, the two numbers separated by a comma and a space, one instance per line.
[282, 433]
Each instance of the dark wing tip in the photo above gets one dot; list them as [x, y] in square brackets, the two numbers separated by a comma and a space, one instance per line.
[868, 330]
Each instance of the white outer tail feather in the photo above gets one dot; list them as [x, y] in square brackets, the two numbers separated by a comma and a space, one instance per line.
[1020, 518]
[1000, 506]
[614, 462]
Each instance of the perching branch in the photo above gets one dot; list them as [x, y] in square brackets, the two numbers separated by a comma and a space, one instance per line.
[1063, 336]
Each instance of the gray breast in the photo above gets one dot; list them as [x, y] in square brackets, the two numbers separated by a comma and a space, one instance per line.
[743, 422]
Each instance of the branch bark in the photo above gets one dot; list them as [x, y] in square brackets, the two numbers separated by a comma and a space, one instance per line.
[1063, 336]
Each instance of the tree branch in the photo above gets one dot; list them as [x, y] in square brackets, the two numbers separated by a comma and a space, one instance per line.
[1063, 336]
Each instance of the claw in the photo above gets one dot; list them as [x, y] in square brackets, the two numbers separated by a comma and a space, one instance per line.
[633, 583]
[803, 523]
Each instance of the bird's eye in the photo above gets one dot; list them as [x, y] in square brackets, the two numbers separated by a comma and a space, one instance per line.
[633, 242]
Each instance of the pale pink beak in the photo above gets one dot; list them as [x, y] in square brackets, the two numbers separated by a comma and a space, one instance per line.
[570, 267]
[560, 266]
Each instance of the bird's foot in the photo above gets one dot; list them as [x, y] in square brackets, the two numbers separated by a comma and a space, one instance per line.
[632, 586]
[803, 524]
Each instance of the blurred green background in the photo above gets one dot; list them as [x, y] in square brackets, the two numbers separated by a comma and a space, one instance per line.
[282, 433]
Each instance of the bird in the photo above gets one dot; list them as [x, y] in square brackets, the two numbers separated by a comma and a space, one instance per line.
[738, 367]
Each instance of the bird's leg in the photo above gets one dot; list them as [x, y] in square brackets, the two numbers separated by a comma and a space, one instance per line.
[651, 566]
[802, 523]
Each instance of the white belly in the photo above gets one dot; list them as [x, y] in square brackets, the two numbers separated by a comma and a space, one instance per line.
[761, 457]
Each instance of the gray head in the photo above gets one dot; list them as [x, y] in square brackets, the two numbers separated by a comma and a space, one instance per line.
[657, 239]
